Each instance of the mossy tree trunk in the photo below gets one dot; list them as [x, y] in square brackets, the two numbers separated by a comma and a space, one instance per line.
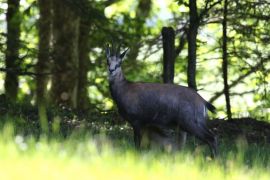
[12, 60]
[142, 13]
[84, 63]
[168, 38]
[192, 45]
[225, 61]
[43, 63]
[65, 54]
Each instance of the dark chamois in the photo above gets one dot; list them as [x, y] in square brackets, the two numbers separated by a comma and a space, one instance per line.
[159, 105]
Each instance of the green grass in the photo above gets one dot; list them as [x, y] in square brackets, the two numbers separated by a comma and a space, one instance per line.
[84, 156]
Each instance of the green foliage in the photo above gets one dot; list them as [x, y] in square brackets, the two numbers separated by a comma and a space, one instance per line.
[121, 22]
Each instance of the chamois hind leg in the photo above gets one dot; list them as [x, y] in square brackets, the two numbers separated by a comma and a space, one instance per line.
[183, 138]
[212, 140]
[205, 135]
[137, 137]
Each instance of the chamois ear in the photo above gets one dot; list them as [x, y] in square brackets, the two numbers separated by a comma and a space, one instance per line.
[122, 55]
[108, 53]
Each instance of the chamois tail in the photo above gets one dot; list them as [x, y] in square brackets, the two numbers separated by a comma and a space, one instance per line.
[210, 107]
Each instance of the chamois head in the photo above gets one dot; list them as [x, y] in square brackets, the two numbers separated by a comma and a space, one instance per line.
[114, 59]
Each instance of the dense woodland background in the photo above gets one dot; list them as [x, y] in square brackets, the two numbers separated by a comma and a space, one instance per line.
[52, 53]
[57, 118]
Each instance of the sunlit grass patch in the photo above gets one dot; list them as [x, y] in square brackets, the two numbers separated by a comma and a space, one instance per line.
[96, 157]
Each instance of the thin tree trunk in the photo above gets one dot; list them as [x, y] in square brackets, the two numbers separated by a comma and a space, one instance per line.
[142, 12]
[225, 61]
[192, 46]
[65, 54]
[240, 78]
[84, 48]
[12, 52]
[168, 38]
[169, 55]
[45, 34]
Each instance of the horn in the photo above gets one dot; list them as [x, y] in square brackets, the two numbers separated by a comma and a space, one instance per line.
[118, 50]
[113, 49]
[108, 45]
[124, 53]
[108, 50]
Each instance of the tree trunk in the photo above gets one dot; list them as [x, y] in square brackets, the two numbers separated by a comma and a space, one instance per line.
[12, 52]
[84, 48]
[192, 47]
[142, 12]
[65, 54]
[45, 35]
[169, 55]
[42, 66]
[168, 38]
[225, 61]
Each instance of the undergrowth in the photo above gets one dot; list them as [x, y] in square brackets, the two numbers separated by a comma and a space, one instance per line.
[100, 146]
[87, 155]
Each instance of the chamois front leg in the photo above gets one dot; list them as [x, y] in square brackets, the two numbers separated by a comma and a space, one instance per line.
[137, 137]
[182, 135]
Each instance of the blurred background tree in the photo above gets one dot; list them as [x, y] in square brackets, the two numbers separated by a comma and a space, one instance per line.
[52, 52]
[12, 60]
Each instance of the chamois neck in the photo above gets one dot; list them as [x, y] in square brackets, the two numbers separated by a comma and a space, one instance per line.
[117, 83]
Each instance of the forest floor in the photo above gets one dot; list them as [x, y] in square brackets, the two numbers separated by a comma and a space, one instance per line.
[25, 118]
[249, 129]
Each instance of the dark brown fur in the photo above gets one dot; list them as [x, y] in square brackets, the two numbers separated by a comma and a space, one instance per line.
[160, 105]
